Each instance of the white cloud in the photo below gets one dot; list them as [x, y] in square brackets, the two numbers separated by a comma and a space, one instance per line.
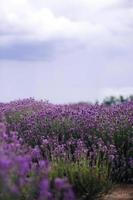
[20, 20]
[91, 22]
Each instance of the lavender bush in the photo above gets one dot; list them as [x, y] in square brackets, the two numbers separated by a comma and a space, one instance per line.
[24, 174]
[99, 135]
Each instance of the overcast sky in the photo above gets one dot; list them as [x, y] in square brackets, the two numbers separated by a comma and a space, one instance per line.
[65, 50]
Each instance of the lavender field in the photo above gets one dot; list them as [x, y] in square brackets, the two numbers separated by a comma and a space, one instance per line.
[64, 152]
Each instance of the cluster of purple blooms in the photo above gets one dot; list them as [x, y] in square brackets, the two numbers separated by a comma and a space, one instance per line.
[24, 174]
[76, 131]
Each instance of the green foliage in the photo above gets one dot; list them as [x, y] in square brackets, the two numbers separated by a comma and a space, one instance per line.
[88, 182]
[112, 100]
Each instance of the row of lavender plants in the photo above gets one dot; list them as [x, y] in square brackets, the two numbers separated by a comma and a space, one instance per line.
[24, 174]
[88, 144]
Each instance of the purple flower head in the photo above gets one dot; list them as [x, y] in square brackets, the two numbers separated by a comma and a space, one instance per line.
[69, 195]
[2, 128]
[45, 142]
[36, 154]
[61, 183]
[23, 164]
[44, 164]
[5, 163]
[131, 162]
[44, 192]
[111, 157]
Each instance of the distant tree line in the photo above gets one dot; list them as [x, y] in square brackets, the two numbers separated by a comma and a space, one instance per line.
[112, 100]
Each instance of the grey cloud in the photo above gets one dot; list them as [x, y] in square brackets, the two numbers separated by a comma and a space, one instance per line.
[28, 51]
[78, 75]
